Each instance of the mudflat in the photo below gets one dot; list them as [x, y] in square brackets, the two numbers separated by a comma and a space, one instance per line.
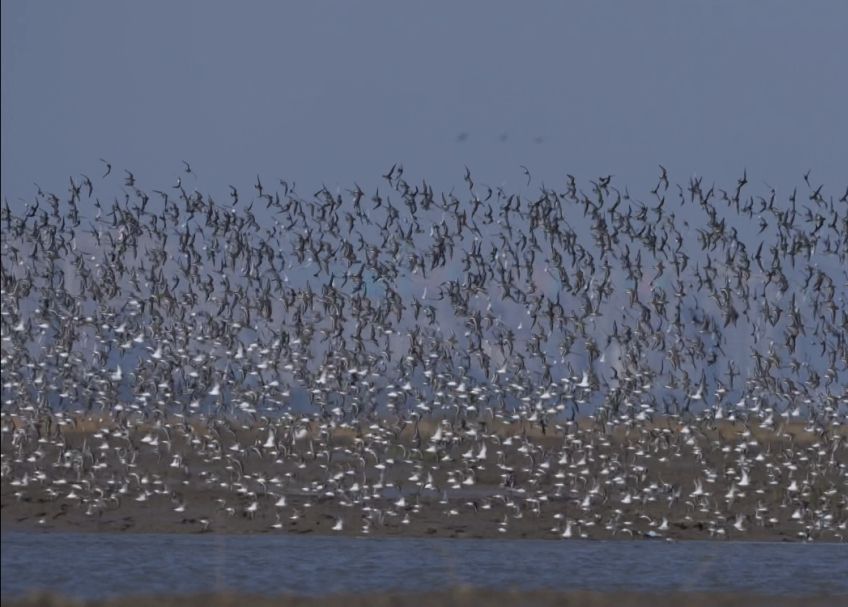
[665, 480]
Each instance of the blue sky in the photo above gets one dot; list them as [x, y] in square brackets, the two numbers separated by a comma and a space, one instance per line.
[332, 92]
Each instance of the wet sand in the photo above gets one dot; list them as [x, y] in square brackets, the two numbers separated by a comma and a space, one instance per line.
[460, 597]
[639, 481]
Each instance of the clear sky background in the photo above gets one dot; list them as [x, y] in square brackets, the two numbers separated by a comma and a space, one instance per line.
[332, 92]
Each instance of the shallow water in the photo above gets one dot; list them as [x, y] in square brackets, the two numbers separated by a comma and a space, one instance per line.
[99, 565]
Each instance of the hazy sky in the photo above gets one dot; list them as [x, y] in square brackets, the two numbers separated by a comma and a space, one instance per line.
[337, 91]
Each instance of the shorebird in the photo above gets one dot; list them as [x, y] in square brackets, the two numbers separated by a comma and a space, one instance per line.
[404, 352]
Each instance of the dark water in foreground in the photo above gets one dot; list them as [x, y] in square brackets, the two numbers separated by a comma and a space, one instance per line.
[99, 565]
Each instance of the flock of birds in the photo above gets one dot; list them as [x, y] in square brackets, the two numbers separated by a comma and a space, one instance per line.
[575, 360]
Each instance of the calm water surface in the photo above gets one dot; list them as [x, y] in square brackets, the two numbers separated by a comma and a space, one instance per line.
[100, 565]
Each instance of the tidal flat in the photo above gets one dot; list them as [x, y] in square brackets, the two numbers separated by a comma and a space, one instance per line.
[667, 480]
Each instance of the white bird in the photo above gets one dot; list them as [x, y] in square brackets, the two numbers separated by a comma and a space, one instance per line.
[731, 493]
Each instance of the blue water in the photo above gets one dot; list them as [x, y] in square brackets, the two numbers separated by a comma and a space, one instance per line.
[101, 565]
